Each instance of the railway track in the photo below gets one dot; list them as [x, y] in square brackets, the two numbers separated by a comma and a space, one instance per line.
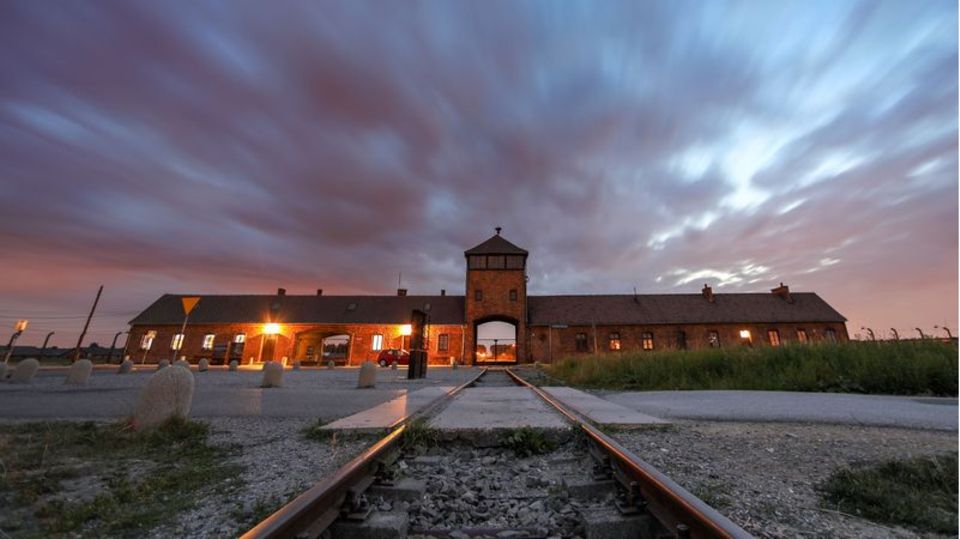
[641, 489]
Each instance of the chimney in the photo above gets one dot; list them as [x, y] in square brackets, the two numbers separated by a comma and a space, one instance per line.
[443, 291]
[319, 291]
[401, 291]
[783, 291]
[707, 293]
[281, 291]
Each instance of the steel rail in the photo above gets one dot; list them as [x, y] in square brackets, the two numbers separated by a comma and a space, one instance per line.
[314, 510]
[675, 507]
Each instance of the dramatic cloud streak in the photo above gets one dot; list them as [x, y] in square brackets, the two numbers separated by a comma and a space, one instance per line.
[236, 147]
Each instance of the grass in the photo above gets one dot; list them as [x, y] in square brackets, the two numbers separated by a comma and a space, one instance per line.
[317, 433]
[919, 493]
[129, 482]
[891, 368]
[527, 441]
[419, 434]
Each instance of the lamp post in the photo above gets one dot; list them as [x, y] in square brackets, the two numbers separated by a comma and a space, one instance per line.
[945, 328]
[870, 331]
[920, 331]
[896, 335]
[44, 347]
[112, 346]
[18, 328]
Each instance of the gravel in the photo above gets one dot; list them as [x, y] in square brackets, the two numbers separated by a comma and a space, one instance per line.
[278, 464]
[764, 476]
[494, 490]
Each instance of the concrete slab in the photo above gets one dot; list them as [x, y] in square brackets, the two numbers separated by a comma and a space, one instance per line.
[836, 408]
[599, 410]
[490, 408]
[388, 413]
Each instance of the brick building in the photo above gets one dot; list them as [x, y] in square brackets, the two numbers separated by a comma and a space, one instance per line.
[494, 321]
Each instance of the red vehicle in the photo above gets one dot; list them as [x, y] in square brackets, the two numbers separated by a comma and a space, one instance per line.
[386, 357]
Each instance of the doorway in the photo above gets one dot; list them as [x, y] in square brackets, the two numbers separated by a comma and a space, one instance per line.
[496, 342]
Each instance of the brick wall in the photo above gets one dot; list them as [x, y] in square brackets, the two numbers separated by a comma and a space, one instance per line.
[562, 341]
[360, 347]
[496, 286]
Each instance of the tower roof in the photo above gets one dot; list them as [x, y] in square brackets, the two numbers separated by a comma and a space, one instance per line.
[496, 245]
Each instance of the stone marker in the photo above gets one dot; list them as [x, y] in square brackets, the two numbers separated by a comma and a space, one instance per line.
[331, 364]
[182, 363]
[272, 374]
[368, 375]
[393, 364]
[296, 365]
[79, 372]
[203, 365]
[126, 366]
[164, 363]
[233, 365]
[284, 361]
[24, 372]
[168, 394]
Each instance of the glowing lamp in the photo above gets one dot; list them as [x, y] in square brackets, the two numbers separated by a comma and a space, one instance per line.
[744, 333]
[21, 325]
[271, 328]
[406, 329]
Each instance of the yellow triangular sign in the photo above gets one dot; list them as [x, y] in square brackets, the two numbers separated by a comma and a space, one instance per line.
[189, 304]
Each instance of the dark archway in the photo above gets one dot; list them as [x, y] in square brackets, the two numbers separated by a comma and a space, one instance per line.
[321, 347]
[495, 339]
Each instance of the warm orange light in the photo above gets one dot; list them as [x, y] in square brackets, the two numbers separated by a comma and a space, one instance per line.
[21, 325]
[271, 328]
[406, 329]
[744, 333]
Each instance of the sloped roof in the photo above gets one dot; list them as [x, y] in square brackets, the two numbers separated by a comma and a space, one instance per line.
[304, 309]
[496, 245]
[647, 309]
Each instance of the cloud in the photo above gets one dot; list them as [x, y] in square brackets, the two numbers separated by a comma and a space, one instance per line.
[168, 147]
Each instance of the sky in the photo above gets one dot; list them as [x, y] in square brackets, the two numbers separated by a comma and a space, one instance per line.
[237, 147]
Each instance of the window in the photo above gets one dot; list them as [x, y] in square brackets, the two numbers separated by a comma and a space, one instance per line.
[377, 344]
[177, 342]
[496, 262]
[240, 338]
[713, 339]
[477, 262]
[515, 262]
[773, 336]
[478, 295]
[647, 340]
[581, 341]
[147, 340]
[614, 342]
[681, 340]
[513, 294]
[443, 342]
[745, 337]
[208, 341]
[801, 335]
[831, 334]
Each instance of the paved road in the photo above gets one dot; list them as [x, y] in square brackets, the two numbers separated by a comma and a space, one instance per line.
[909, 412]
[320, 393]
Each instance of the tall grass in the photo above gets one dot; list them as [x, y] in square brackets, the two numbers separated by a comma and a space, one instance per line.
[892, 368]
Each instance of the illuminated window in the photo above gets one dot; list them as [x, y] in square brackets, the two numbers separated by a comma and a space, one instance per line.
[377, 344]
[681, 340]
[177, 342]
[478, 295]
[513, 294]
[773, 336]
[831, 334]
[801, 335]
[581, 342]
[146, 342]
[208, 341]
[745, 336]
[614, 341]
[646, 340]
[240, 338]
[713, 339]
[443, 342]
